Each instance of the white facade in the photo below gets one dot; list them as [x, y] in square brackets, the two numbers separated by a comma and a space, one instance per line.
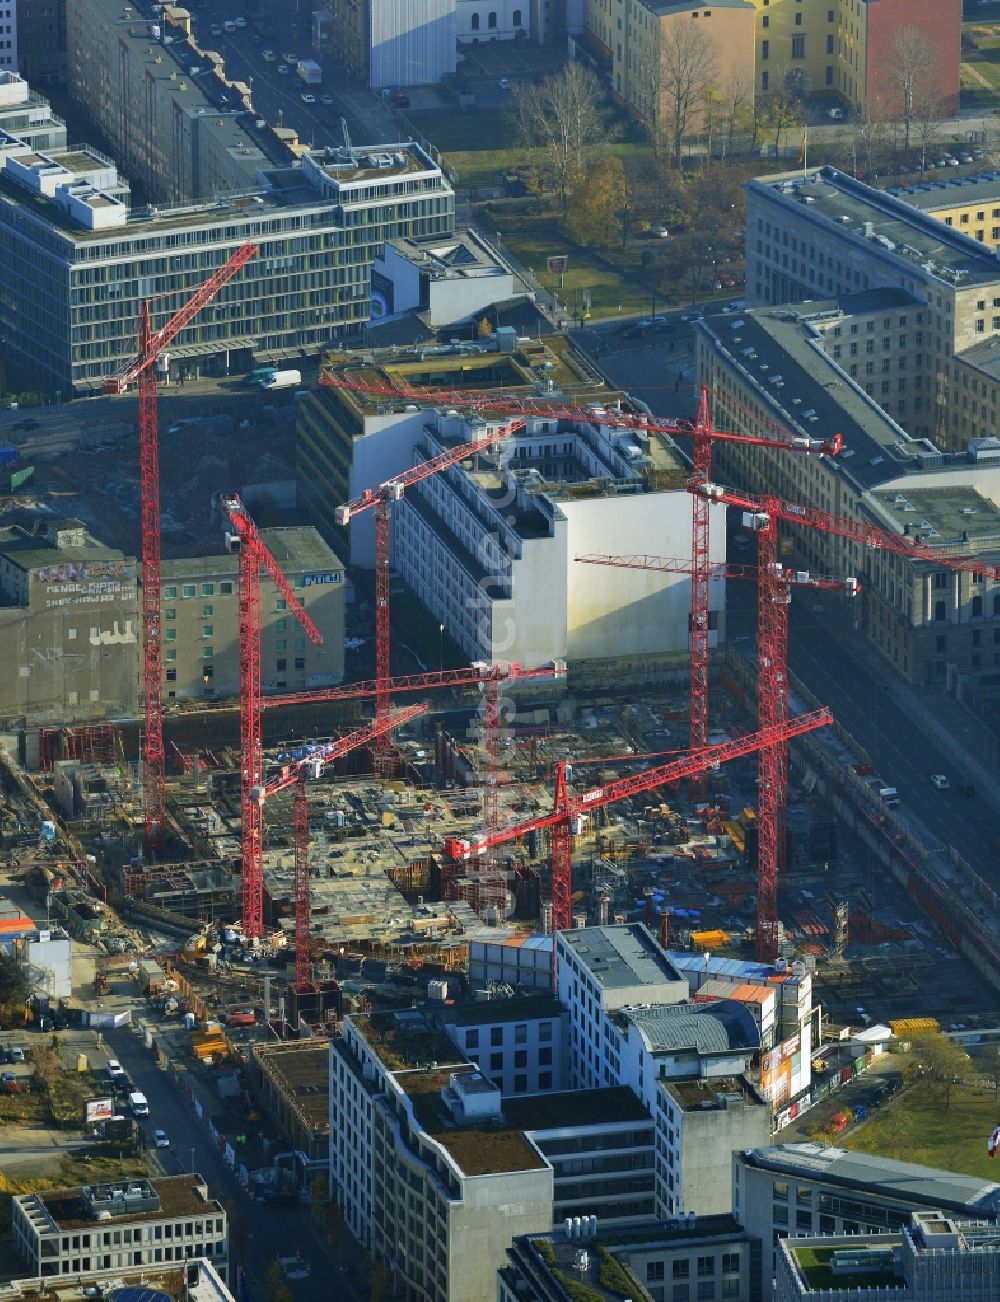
[50, 961]
[519, 1057]
[412, 42]
[492, 555]
[452, 279]
[8, 36]
[492, 20]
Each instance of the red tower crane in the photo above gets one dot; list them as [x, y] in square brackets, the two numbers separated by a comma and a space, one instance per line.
[381, 498]
[703, 435]
[143, 369]
[303, 899]
[762, 515]
[566, 808]
[774, 591]
[253, 555]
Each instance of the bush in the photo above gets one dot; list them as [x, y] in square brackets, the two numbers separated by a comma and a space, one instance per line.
[545, 1250]
[613, 1275]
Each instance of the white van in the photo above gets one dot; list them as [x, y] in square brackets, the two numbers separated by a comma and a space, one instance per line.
[138, 1105]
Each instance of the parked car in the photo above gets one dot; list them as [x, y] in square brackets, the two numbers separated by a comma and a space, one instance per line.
[268, 56]
[307, 98]
[282, 69]
[504, 83]
[940, 781]
[835, 113]
[692, 316]
[660, 232]
[161, 1139]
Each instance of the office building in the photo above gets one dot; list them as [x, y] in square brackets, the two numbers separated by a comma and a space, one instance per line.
[26, 117]
[970, 204]
[41, 41]
[79, 260]
[197, 1281]
[518, 1044]
[200, 620]
[690, 1257]
[450, 282]
[810, 1189]
[396, 42]
[934, 1258]
[637, 42]
[630, 1023]
[175, 140]
[8, 36]
[122, 1223]
[69, 625]
[497, 20]
[823, 235]
[823, 366]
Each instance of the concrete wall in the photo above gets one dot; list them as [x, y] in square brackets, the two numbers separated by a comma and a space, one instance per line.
[385, 450]
[72, 654]
[618, 612]
[708, 1141]
[412, 42]
[494, 1210]
[53, 959]
[458, 299]
[511, 16]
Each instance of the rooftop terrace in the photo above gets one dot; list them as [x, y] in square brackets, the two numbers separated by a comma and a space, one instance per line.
[179, 1195]
[621, 956]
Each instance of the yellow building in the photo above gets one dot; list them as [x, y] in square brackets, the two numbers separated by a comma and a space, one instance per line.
[968, 204]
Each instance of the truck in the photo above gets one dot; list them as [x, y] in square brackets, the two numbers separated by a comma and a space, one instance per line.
[259, 374]
[138, 1105]
[282, 380]
[310, 72]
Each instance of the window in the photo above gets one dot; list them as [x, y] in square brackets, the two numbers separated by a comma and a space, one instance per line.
[798, 45]
[521, 1033]
[170, 634]
[207, 653]
[730, 1263]
[226, 589]
[520, 1084]
[977, 607]
[765, 49]
[545, 1031]
[939, 611]
[544, 1057]
[829, 74]
[682, 1269]
[655, 1271]
[206, 630]
[207, 612]
[300, 644]
[731, 1288]
[764, 79]
[544, 1080]
[496, 1062]
[281, 604]
[491, 19]
[706, 1291]
[281, 645]
[680, 1293]
[280, 625]
[516, 18]
[798, 20]
[829, 45]
[169, 594]
[170, 613]
[170, 656]
[300, 662]
[706, 1266]
[472, 1039]
[765, 21]
[187, 590]
[475, 22]
[521, 1058]
[496, 1036]
[281, 665]
[208, 589]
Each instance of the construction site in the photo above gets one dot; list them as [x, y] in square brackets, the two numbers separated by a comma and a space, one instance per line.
[373, 830]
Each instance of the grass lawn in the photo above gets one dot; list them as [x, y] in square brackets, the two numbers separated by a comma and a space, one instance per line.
[951, 1141]
[533, 242]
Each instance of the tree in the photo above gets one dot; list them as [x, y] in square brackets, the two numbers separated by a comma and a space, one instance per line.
[682, 81]
[15, 980]
[989, 1063]
[937, 1058]
[594, 212]
[869, 137]
[737, 107]
[913, 68]
[780, 110]
[562, 117]
[894, 1132]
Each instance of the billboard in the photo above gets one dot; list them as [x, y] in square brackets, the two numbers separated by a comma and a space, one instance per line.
[99, 1110]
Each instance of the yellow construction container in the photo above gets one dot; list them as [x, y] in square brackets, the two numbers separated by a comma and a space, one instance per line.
[208, 1044]
[710, 939]
[907, 1026]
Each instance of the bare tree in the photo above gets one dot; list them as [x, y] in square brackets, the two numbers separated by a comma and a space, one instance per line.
[737, 99]
[927, 116]
[682, 81]
[913, 68]
[869, 137]
[561, 116]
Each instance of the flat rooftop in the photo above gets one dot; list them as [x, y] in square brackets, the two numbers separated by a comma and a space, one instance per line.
[302, 1071]
[294, 548]
[947, 516]
[575, 1108]
[407, 1039]
[832, 196]
[180, 1195]
[30, 551]
[485, 1011]
[904, 1182]
[621, 956]
[711, 1092]
[931, 196]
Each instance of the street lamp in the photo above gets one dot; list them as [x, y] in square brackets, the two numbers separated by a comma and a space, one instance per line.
[440, 647]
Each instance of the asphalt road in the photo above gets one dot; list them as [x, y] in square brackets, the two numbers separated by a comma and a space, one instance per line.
[269, 1231]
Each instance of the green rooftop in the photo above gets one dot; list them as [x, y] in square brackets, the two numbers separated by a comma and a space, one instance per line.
[815, 1265]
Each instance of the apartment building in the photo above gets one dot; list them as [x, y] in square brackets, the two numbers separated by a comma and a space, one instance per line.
[118, 1224]
[823, 366]
[79, 260]
[69, 625]
[788, 1190]
[198, 1281]
[518, 1044]
[27, 116]
[637, 42]
[703, 1257]
[200, 620]
[41, 41]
